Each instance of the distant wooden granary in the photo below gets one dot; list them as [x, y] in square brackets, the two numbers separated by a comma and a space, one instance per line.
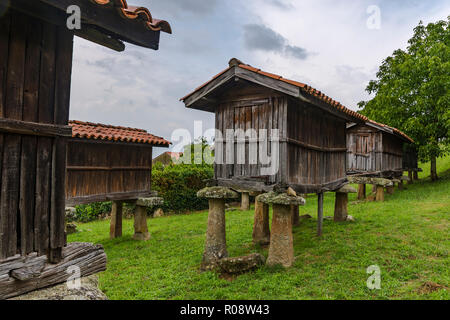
[378, 149]
[36, 48]
[109, 163]
[311, 126]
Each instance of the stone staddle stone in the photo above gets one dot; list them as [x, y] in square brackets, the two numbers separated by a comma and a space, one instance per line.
[150, 202]
[347, 189]
[281, 250]
[217, 193]
[215, 245]
[281, 199]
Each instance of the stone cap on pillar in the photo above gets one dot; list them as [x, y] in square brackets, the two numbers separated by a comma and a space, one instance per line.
[396, 180]
[405, 178]
[347, 189]
[217, 193]
[150, 202]
[367, 180]
[281, 199]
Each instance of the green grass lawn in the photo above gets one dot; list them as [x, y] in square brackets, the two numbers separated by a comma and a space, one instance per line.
[407, 236]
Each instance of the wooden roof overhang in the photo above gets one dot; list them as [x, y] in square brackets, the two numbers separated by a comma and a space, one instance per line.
[382, 127]
[205, 97]
[109, 23]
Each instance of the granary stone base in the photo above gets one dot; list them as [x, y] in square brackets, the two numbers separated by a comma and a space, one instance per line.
[281, 250]
[261, 228]
[245, 201]
[341, 203]
[88, 291]
[216, 243]
[140, 224]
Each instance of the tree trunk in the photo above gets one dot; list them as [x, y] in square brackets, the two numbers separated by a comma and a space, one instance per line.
[433, 175]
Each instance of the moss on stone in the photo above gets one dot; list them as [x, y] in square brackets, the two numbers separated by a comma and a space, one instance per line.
[217, 193]
[281, 199]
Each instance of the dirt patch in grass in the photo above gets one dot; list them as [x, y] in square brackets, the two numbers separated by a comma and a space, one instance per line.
[429, 287]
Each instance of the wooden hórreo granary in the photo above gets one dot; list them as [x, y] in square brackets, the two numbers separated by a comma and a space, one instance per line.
[109, 163]
[36, 48]
[377, 149]
[311, 126]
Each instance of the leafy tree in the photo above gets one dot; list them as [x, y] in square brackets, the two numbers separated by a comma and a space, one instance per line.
[412, 91]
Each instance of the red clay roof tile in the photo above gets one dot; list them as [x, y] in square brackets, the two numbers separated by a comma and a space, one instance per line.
[133, 12]
[98, 131]
[304, 87]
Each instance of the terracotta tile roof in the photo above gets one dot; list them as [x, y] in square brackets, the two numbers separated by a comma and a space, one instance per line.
[97, 131]
[304, 87]
[395, 130]
[133, 12]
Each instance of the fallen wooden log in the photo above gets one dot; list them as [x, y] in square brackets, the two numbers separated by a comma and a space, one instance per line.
[22, 274]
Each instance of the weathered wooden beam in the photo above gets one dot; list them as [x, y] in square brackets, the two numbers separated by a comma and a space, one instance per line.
[22, 274]
[92, 34]
[34, 128]
[122, 196]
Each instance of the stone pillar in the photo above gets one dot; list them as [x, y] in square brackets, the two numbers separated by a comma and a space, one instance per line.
[281, 250]
[140, 217]
[361, 191]
[115, 230]
[295, 216]
[216, 243]
[416, 175]
[245, 201]
[380, 193]
[400, 185]
[341, 202]
[261, 228]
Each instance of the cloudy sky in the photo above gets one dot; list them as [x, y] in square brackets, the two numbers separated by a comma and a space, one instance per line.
[335, 46]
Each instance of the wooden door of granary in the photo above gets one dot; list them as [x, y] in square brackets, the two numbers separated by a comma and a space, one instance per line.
[35, 76]
[364, 149]
[258, 117]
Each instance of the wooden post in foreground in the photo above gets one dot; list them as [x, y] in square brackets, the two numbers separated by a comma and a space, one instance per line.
[320, 214]
[115, 230]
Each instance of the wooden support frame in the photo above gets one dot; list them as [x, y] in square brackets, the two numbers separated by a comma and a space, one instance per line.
[320, 197]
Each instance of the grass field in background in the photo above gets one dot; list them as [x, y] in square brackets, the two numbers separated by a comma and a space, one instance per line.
[407, 236]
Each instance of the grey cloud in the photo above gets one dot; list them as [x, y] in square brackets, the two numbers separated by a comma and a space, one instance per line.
[281, 4]
[260, 37]
[163, 9]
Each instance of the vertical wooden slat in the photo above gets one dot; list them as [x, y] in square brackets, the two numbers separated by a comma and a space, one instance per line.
[4, 48]
[29, 144]
[12, 143]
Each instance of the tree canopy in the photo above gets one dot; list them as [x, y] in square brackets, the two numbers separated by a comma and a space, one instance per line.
[412, 91]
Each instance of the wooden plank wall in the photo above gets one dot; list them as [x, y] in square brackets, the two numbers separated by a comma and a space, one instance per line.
[317, 145]
[257, 112]
[35, 73]
[392, 152]
[100, 169]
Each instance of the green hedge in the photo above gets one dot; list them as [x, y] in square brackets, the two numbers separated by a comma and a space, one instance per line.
[178, 185]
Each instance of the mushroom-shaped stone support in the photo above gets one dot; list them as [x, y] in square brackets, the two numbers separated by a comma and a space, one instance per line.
[281, 250]
[379, 182]
[340, 205]
[245, 201]
[140, 217]
[216, 243]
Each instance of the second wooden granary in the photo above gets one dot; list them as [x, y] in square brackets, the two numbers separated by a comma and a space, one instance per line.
[378, 149]
[312, 130]
[109, 163]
